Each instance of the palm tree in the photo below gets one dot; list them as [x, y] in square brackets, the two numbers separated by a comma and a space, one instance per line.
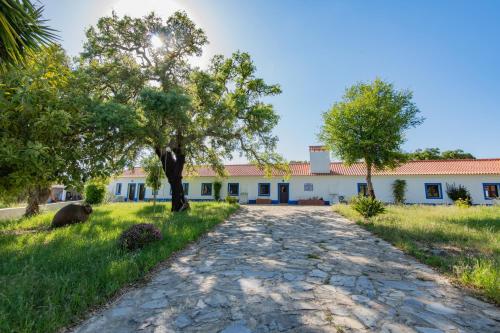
[22, 30]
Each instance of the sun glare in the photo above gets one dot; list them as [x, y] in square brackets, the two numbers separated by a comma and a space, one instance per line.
[156, 41]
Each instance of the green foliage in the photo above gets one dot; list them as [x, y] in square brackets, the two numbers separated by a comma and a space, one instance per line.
[94, 193]
[231, 200]
[369, 124]
[399, 191]
[154, 172]
[51, 280]
[455, 193]
[436, 154]
[463, 243]
[367, 206]
[22, 31]
[217, 187]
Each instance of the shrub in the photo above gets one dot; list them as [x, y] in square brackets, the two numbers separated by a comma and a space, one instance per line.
[367, 206]
[455, 192]
[231, 200]
[217, 187]
[139, 235]
[94, 193]
[399, 190]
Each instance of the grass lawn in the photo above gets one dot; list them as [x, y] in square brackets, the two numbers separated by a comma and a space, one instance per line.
[49, 279]
[461, 242]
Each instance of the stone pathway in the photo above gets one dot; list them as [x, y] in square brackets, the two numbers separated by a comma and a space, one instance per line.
[294, 269]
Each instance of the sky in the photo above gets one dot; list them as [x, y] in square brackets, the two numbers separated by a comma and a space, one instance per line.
[446, 52]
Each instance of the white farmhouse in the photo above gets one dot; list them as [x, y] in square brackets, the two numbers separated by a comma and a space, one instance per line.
[330, 181]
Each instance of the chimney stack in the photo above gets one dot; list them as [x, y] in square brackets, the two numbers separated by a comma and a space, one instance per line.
[319, 157]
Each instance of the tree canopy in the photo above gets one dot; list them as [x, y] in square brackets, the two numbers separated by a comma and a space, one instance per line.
[186, 115]
[368, 124]
[436, 154]
[22, 31]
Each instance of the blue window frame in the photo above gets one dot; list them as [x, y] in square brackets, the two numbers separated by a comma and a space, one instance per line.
[118, 189]
[233, 189]
[491, 190]
[363, 189]
[264, 189]
[433, 191]
[206, 189]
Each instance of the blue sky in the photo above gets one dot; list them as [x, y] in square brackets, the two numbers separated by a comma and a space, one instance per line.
[446, 52]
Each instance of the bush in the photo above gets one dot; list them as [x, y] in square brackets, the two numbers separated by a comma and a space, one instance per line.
[231, 200]
[455, 193]
[217, 187]
[139, 235]
[399, 190]
[367, 206]
[94, 193]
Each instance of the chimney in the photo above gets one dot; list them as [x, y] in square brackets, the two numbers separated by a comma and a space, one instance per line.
[320, 159]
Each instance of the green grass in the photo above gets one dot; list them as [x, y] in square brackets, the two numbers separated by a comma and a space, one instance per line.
[463, 243]
[49, 279]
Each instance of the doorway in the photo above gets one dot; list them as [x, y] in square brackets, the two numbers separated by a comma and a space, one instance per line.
[283, 192]
[131, 192]
[142, 192]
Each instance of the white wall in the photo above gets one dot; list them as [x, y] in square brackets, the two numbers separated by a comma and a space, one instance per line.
[326, 187]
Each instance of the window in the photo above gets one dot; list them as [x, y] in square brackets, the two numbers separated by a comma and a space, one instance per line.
[363, 189]
[433, 191]
[264, 189]
[491, 191]
[233, 189]
[206, 189]
[308, 187]
[118, 189]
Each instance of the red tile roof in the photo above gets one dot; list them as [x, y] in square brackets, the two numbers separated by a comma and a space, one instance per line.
[433, 167]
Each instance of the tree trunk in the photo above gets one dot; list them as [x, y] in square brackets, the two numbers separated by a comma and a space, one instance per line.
[173, 165]
[154, 198]
[36, 195]
[369, 185]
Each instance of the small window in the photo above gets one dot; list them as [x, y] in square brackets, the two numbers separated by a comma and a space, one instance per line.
[363, 189]
[206, 189]
[118, 189]
[491, 191]
[233, 189]
[264, 189]
[308, 187]
[433, 191]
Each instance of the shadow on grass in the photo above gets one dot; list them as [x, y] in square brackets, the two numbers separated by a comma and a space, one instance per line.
[481, 224]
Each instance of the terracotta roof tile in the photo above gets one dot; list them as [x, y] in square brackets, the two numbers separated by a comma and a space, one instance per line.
[437, 167]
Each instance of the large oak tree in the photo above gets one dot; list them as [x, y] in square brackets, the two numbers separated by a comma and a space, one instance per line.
[368, 124]
[187, 116]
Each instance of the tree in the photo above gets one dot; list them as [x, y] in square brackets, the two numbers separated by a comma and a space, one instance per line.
[188, 116]
[22, 31]
[154, 174]
[436, 154]
[369, 124]
[51, 132]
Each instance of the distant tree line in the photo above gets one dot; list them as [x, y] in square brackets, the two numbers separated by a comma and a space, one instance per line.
[437, 154]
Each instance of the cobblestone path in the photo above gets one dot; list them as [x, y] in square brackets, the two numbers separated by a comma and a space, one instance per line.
[294, 269]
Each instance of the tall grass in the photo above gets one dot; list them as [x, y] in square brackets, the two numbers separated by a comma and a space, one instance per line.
[462, 242]
[50, 278]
